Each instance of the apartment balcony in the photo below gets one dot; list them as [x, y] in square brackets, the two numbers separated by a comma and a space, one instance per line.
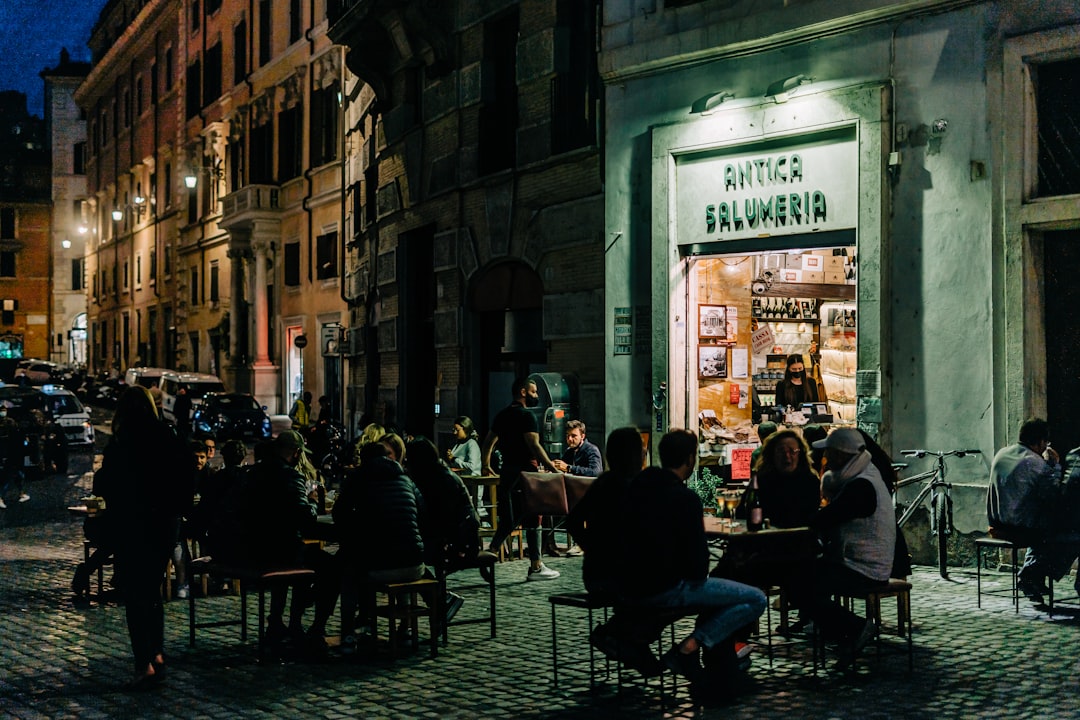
[249, 205]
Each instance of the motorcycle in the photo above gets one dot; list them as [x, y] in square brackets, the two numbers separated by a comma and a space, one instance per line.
[330, 447]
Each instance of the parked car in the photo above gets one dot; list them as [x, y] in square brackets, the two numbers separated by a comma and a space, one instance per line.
[70, 414]
[198, 385]
[231, 415]
[38, 372]
[45, 446]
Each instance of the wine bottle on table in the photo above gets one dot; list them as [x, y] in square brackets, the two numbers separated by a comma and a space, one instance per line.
[755, 519]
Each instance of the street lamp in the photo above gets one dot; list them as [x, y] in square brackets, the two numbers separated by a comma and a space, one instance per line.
[192, 177]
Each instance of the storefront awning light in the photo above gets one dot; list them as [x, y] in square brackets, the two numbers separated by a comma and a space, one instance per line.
[707, 104]
[781, 90]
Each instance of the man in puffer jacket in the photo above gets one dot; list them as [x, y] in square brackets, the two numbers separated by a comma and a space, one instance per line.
[378, 515]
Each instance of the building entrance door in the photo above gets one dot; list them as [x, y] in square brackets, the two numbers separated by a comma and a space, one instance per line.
[1061, 263]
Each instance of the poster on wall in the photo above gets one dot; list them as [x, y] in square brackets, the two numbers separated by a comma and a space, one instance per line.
[712, 321]
[731, 325]
[712, 361]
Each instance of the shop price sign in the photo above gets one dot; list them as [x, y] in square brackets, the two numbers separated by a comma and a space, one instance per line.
[805, 184]
[761, 340]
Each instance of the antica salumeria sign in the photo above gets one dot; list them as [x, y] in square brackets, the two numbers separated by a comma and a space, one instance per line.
[808, 185]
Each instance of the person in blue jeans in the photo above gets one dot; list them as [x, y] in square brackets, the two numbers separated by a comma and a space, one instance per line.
[665, 570]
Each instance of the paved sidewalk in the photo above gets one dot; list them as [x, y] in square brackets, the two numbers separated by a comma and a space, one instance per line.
[59, 659]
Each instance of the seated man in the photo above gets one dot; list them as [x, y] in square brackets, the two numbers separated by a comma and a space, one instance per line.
[664, 570]
[1024, 492]
[858, 528]
[581, 457]
[279, 517]
[379, 515]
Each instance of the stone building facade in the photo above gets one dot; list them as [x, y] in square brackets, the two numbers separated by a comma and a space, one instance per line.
[214, 135]
[945, 129]
[474, 206]
[65, 128]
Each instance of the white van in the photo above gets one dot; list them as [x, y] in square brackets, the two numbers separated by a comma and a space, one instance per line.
[198, 384]
[145, 376]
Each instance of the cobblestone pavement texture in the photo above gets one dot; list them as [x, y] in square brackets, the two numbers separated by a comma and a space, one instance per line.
[63, 659]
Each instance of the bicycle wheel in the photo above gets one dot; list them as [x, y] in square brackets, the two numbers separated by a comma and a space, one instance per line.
[940, 508]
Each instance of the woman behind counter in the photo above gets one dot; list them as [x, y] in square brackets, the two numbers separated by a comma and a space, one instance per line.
[795, 389]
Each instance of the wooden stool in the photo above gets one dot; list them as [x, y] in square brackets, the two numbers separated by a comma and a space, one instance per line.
[985, 543]
[403, 610]
[901, 590]
[88, 550]
[258, 580]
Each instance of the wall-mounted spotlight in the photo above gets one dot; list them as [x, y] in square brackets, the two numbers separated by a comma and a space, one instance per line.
[707, 104]
[781, 90]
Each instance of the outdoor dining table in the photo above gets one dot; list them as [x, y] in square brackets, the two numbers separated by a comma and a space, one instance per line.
[765, 557]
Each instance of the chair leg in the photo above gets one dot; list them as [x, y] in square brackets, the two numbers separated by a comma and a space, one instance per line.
[978, 576]
[191, 619]
[554, 649]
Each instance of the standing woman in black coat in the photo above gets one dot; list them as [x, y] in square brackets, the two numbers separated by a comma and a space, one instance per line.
[146, 478]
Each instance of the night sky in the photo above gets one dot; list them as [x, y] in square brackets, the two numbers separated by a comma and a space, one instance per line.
[31, 35]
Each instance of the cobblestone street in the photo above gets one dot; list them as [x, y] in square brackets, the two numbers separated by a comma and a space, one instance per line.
[64, 659]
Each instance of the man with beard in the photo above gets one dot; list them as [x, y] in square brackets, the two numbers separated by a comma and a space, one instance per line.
[514, 429]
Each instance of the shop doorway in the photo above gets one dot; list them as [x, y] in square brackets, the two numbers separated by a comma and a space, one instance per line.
[1061, 328]
[294, 364]
[751, 316]
[507, 305]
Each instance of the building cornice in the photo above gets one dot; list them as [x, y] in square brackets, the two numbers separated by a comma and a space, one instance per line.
[660, 50]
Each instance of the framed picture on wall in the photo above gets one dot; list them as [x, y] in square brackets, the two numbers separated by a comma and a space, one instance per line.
[712, 321]
[712, 361]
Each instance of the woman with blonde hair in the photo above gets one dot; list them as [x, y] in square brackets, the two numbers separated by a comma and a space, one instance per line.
[372, 432]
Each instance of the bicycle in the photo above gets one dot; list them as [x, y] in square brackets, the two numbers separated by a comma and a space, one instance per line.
[940, 492]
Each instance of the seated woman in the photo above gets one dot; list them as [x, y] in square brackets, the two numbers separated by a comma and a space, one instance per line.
[452, 529]
[378, 513]
[789, 488]
[790, 494]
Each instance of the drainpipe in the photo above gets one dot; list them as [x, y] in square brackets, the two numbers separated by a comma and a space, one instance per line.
[343, 116]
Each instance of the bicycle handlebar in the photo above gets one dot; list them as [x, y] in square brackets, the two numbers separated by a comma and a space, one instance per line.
[940, 453]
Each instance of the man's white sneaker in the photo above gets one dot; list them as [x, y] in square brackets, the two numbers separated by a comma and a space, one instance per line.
[3, 505]
[543, 573]
[182, 592]
[24, 497]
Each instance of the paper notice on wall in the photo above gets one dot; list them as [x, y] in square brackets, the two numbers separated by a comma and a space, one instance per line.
[761, 340]
[740, 463]
[739, 363]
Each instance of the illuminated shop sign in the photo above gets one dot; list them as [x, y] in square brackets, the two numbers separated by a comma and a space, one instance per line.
[807, 185]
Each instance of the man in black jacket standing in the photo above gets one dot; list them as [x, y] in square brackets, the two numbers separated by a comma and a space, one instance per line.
[514, 430]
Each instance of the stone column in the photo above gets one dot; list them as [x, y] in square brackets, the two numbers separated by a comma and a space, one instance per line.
[262, 311]
[236, 305]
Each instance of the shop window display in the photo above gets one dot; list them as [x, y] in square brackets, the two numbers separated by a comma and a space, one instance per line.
[754, 311]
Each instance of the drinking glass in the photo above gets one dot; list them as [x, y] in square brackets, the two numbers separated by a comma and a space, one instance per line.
[721, 507]
[731, 501]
